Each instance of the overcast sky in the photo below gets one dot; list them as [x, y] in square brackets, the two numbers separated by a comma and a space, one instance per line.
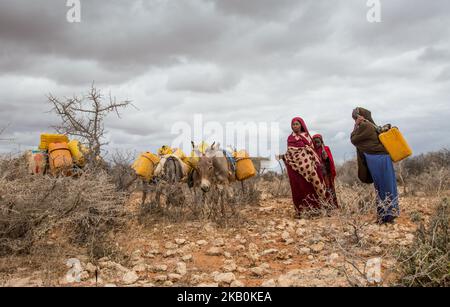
[229, 60]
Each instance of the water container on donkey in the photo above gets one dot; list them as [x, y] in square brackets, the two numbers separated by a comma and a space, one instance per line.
[60, 159]
[145, 165]
[244, 165]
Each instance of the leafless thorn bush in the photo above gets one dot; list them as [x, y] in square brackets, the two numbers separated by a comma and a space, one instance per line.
[84, 209]
[356, 211]
[347, 173]
[426, 262]
[246, 192]
[13, 167]
[434, 181]
[122, 175]
[428, 173]
[351, 237]
[83, 118]
[277, 185]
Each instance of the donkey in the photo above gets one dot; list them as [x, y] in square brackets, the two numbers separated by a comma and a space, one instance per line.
[170, 170]
[213, 169]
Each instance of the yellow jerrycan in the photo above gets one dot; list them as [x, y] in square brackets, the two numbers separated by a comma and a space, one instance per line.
[244, 165]
[145, 165]
[395, 144]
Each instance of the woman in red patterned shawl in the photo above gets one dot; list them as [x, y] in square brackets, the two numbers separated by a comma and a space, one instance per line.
[328, 167]
[304, 168]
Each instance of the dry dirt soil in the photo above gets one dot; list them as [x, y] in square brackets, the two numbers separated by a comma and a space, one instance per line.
[262, 246]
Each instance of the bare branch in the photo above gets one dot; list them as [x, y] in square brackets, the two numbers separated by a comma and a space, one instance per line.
[83, 117]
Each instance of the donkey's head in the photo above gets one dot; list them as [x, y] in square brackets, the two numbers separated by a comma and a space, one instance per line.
[205, 167]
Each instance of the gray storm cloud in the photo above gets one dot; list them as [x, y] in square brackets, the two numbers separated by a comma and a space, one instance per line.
[229, 60]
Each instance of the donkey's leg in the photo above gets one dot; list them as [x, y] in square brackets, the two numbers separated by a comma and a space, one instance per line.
[228, 194]
[144, 191]
[228, 197]
[207, 205]
[221, 189]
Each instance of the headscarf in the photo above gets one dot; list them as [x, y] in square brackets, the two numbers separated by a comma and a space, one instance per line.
[364, 113]
[321, 148]
[299, 140]
[327, 149]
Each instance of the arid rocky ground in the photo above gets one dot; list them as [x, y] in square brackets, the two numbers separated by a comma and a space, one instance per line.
[261, 246]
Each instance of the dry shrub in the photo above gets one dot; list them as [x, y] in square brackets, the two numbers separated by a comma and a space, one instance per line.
[85, 209]
[269, 176]
[357, 209]
[164, 201]
[347, 173]
[434, 181]
[426, 263]
[277, 185]
[428, 173]
[177, 203]
[120, 171]
[417, 165]
[246, 192]
[351, 236]
[13, 167]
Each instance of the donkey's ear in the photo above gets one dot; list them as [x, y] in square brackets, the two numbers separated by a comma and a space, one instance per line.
[193, 144]
[210, 151]
[215, 146]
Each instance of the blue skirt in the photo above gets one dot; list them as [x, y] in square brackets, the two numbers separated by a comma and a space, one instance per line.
[383, 174]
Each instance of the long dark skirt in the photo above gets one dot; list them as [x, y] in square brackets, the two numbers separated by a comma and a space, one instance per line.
[303, 194]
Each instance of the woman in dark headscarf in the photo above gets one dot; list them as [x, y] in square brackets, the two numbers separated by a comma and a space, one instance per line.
[328, 167]
[303, 168]
[375, 164]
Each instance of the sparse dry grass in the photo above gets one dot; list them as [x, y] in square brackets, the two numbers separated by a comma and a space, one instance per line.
[82, 215]
[85, 209]
[177, 203]
[427, 262]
